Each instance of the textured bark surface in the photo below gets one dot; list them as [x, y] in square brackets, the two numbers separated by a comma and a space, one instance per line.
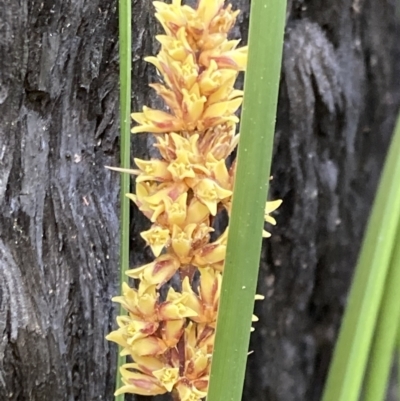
[59, 206]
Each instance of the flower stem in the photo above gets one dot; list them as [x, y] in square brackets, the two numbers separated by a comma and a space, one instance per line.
[125, 109]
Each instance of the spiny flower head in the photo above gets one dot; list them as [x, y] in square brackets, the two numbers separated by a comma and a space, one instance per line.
[199, 66]
[169, 334]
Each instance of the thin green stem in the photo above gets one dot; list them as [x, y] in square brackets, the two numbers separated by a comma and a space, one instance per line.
[125, 51]
[398, 358]
[267, 20]
[384, 343]
[354, 342]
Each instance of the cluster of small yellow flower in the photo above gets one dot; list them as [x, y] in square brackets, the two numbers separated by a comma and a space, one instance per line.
[171, 340]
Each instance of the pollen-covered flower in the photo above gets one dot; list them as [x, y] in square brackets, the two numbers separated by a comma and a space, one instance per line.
[169, 326]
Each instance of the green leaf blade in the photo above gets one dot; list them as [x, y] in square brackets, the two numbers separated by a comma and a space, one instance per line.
[384, 341]
[267, 20]
[355, 337]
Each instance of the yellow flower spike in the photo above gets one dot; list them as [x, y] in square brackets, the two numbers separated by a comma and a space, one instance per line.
[142, 191]
[139, 383]
[154, 169]
[167, 376]
[147, 364]
[175, 47]
[145, 387]
[220, 141]
[117, 337]
[195, 28]
[231, 58]
[174, 144]
[181, 168]
[212, 41]
[157, 238]
[181, 242]
[155, 121]
[235, 94]
[211, 255]
[153, 205]
[201, 363]
[179, 142]
[176, 210]
[224, 21]
[189, 393]
[157, 272]
[172, 331]
[201, 235]
[185, 72]
[191, 299]
[219, 171]
[170, 16]
[210, 194]
[128, 299]
[206, 336]
[175, 307]
[235, 59]
[197, 370]
[208, 9]
[172, 190]
[178, 48]
[192, 106]
[150, 211]
[190, 336]
[179, 194]
[222, 112]
[223, 93]
[169, 98]
[156, 62]
[136, 330]
[197, 212]
[164, 146]
[230, 45]
[147, 301]
[210, 286]
[205, 304]
[212, 78]
[149, 346]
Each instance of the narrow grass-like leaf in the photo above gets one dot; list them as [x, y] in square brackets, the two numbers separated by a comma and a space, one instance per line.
[267, 20]
[353, 345]
[384, 342]
[398, 360]
[125, 58]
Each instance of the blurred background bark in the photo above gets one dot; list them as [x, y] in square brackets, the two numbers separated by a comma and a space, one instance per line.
[59, 206]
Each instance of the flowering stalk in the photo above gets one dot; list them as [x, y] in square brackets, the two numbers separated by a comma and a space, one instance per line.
[170, 338]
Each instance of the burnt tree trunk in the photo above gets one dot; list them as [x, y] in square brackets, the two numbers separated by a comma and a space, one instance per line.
[59, 206]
